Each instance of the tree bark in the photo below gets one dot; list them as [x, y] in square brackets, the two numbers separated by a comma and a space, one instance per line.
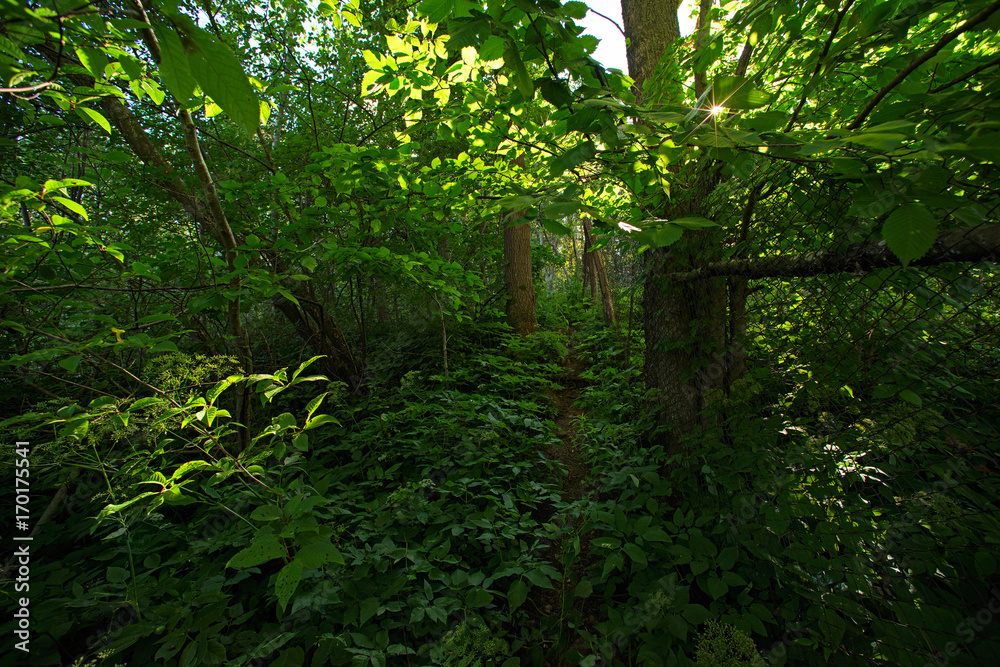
[967, 244]
[321, 333]
[521, 308]
[685, 324]
[597, 274]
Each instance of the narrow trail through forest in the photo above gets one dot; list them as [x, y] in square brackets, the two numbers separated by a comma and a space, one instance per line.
[557, 611]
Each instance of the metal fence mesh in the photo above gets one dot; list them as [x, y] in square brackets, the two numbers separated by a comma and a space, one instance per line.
[877, 393]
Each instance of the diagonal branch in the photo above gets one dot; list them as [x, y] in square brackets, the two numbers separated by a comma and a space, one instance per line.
[920, 60]
[967, 244]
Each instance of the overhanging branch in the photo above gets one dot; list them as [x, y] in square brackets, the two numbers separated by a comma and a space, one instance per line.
[970, 244]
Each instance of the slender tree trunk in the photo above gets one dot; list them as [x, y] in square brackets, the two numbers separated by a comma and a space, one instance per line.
[521, 312]
[598, 277]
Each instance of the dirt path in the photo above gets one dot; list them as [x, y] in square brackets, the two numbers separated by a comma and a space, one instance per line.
[556, 611]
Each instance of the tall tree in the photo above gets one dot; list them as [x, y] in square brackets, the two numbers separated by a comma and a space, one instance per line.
[679, 319]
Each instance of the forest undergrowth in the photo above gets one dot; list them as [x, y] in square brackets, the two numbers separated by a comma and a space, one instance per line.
[514, 512]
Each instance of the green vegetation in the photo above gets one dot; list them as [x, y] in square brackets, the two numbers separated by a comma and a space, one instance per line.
[372, 332]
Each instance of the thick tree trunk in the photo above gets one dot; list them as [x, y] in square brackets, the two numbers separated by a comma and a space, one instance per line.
[685, 325]
[521, 313]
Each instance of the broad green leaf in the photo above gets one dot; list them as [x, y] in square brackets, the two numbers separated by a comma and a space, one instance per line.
[693, 223]
[264, 547]
[696, 614]
[436, 10]
[95, 60]
[94, 116]
[727, 558]
[175, 72]
[555, 227]
[286, 582]
[512, 58]
[583, 151]
[635, 553]
[986, 563]
[656, 535]
[910, 232]
[316, 554]
[117, 575]
[738, 92]
[71, 363]
[517, 594]
[266, 513]
[222, 78]
[555, 92]
[561, 209]
[583, 589]
[717, 587]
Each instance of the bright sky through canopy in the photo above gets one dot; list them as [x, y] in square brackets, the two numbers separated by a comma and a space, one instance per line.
[611, 51]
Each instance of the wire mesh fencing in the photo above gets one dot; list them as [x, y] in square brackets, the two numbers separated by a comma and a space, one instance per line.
[872, 392]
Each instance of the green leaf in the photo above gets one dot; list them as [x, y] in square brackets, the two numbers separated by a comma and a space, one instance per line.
[478, 597]
[368, 609]
[71, 363]
[517, 594]
[728, 557]
[717, 587]
[584, 589]
[554, 227]
[583, 151]
[696, 614]
[94, 116]
[436, 10]
[656, 535]
[512, 58]
[316, 554]
[538, 578]
[175, 72]
[911, 397]
[222, 78]
[986, 563]
[95, 60]
[73, 206]
[738, 92]
[555, 92]
[117, 575]
[266, 513]
[264, 547]
[636, 554]
[910, 232]
[288, 579]
[694, 223]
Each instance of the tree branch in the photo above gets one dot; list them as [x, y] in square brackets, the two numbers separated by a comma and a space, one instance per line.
[920, 60]
[968, 244]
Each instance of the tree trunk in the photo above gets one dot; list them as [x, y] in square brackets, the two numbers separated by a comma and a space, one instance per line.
[521, 314]
[318, 330]
[685, 325]
[598, 277]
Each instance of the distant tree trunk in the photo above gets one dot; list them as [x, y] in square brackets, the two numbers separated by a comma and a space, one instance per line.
[318, 330]
[685, 325]
[598, 277]
[521, 313]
